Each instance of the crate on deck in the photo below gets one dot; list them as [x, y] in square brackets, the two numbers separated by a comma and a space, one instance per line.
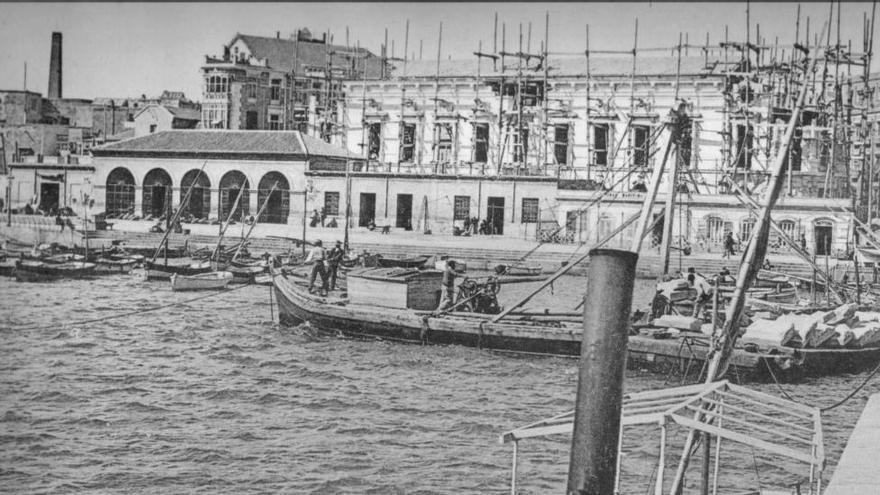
[395, 287]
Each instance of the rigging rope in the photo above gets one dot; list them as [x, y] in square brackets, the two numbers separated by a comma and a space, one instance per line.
[832, 406]
[130, 313]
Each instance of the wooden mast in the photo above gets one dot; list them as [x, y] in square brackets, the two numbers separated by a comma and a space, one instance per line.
[254, 223]
[225, 225]
[722, 345]
[176, 215]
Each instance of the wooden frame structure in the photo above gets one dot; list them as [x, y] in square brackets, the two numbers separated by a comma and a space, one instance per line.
[726, 412]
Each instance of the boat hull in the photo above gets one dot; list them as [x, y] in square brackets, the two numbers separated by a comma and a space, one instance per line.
[159, 271]
[105, 266]
[685, 356]
[205, 281]
[45, 272]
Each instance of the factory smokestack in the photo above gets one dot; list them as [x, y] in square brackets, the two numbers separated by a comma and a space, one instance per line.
[55, 67]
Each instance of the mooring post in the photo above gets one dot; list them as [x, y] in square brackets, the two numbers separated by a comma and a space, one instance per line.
[608, 301]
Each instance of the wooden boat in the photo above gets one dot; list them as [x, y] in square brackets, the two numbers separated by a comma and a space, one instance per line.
[407, 262]
[545, 336]
[202, 281]
[518, 270]
[7, 267]
[110, 266]
[180, 266]
[246, 273]
[37, 271]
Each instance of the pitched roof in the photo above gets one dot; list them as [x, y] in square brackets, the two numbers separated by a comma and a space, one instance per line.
[290, 55]
[222, 142]
[652, 63]
[184, 113]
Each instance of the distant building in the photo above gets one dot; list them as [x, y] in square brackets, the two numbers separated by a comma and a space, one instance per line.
[281, 84]
[165, 118]
[139, 176]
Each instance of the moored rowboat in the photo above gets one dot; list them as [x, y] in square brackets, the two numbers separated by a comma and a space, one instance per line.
[203, 281]
[184, 266]
[37, 271]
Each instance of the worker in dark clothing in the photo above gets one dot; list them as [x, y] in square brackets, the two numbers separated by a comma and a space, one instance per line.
[333, 260]
[447, 286]
[729, 244]
[317, 256]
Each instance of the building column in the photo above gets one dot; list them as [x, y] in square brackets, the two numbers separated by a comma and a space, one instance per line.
[215, 204]
[253, 202]
[139, 201]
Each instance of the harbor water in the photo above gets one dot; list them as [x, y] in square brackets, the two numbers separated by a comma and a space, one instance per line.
[209, 396]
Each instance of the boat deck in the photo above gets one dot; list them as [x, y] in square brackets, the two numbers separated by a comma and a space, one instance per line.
[857, 473]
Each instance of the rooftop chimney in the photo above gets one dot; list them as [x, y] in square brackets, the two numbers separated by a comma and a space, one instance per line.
[55, 67]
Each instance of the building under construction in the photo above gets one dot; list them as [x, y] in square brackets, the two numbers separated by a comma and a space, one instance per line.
[561, 146]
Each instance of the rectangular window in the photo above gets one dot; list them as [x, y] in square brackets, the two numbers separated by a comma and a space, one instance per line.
[300, 92]
[331, 203]
[462, 208]
[301, 120]
[640, 145]
[275, 90]
[560, 144]
[521, 146]
[743, 148]
[407, 142]
[274, 122]
[600, 144]
[374, 147]
[529, 210]
[481, 143]
[443, 143]
[252, 90]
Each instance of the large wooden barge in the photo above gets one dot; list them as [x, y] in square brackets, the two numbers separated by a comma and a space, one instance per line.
[529, 334]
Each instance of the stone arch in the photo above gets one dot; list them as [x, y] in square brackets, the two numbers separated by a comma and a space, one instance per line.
[199, 204]
[119, 193]
[156, 193]
[230, 184]
[278, 206]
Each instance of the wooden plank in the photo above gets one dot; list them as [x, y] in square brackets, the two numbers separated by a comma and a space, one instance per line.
[856, 472]
[744, 439]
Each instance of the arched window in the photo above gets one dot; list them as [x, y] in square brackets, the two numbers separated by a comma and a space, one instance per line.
[230, 184]
[119, 197]
[199, 204]
[156, 193]
[278, 205]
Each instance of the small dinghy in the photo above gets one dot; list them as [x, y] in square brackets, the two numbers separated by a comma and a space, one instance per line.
[519, 270]
[407, 262]
[181, 266]
[109, 266]
[203, 281]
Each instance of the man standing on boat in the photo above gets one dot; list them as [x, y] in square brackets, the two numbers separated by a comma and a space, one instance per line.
[447, 286]
[317, 256]
[704, 291]
[333, 260]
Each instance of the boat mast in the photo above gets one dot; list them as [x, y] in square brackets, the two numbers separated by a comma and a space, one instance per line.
[722, 345]
[225, 225]
[176, 215]
[254, 223]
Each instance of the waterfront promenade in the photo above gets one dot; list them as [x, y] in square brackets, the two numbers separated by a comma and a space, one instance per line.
[479, 251]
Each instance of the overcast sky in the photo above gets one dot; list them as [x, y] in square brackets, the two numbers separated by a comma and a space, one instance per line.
[129, 49]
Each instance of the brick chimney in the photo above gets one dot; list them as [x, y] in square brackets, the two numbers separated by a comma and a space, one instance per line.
[55, 67]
